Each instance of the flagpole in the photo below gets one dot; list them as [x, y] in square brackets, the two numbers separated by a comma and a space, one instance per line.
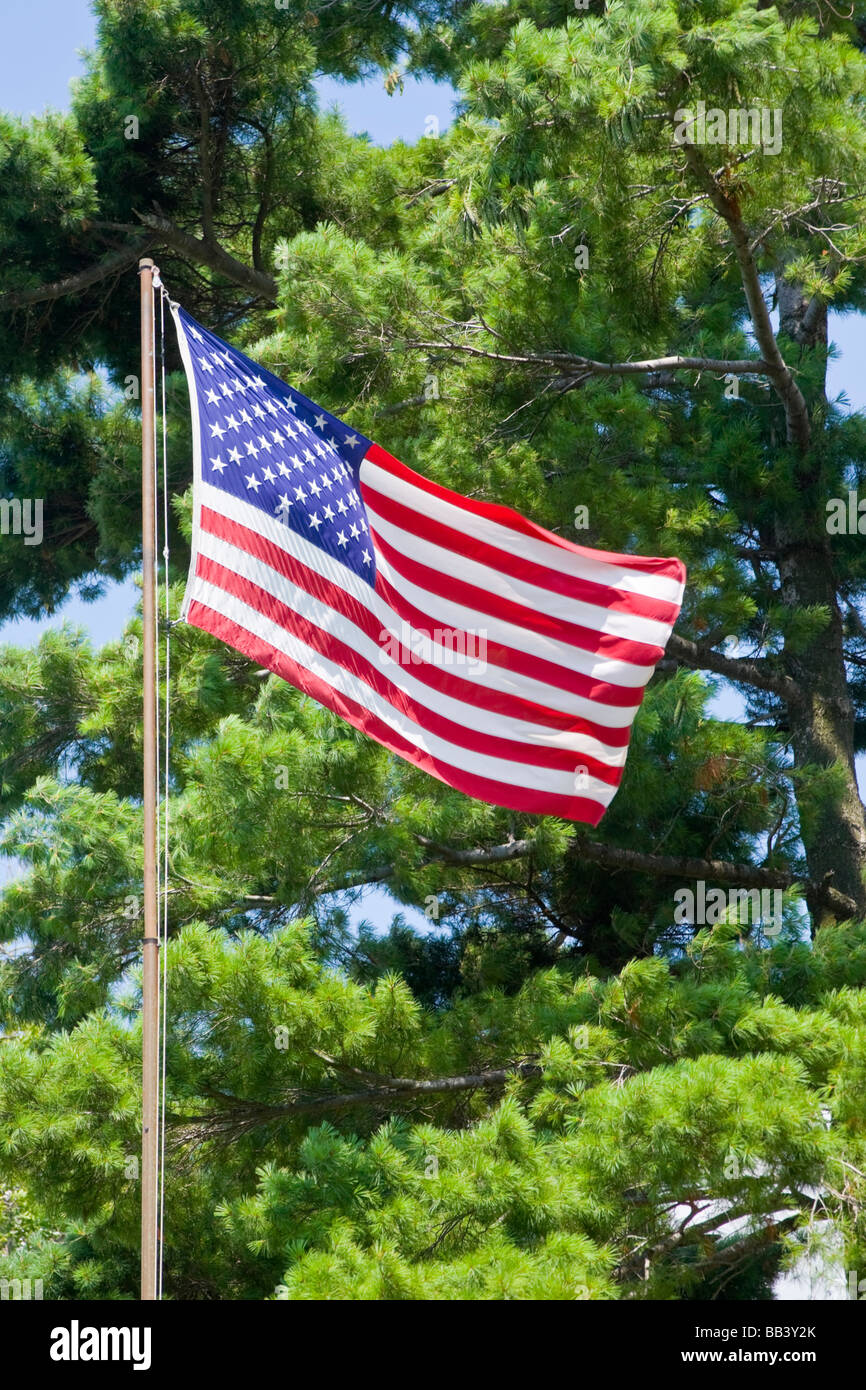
[150, 958]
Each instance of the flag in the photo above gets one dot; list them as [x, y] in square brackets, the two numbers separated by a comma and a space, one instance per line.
[497, 656]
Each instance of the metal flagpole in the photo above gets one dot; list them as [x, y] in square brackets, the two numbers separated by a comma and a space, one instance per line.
[150, 961]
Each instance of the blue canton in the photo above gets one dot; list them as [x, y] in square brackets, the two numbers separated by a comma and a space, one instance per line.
[267, 444]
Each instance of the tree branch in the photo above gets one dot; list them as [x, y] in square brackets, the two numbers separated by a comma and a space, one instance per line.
[242, 1114]
[799, 428]
[212, 255]
[758, 672]
[204, 155]
[74, 284]
[659, 865]
[582, 367]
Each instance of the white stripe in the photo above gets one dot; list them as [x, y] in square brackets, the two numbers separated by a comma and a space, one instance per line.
[629, 626]
[448, 613]
[329, 620]
[542, 779]
[320, 562]
[584, 564]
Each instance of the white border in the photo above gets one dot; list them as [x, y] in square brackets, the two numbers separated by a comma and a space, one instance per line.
[183, 344]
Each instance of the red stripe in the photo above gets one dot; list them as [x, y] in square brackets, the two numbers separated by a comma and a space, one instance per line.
[466, 544]
[505, 516]
[490, 745]
[600, 692]
[483, 697]
[588, 639]
[578, 808]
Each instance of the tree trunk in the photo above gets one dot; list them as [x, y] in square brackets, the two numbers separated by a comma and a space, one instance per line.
[822, 720]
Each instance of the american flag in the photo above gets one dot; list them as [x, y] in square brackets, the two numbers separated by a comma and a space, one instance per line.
[497, 656]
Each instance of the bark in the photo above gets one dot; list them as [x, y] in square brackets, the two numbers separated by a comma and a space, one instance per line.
[821, 717]
[821, 722]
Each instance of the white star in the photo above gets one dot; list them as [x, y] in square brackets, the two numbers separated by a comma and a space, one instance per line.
[325, 481]
[277, 437]
[226, 389]
[272, 409]
[257, 381]
[218, 464]
[355, 533]
[291, 405]
[336, 473]
[283, 504]
[332, 442]
[321, 451]
[297, 462]
[283, 469]
[217, 357]
[314, 487]
[235, 455]
[351, 440]
[290, 430]
[247, 419]
[217, 431]
[366, 557]
[251, 449]
[258, 412]
[238, 384]
[341, 506]
[231, 423]
[309, 456]
[269, 476]
[328, 514]
[265, 443]
[252, 481]
[314, 521]
[300, 494]
[320, 422]
[205, 365]
[194, 333]
[212, 398]
[343, 538]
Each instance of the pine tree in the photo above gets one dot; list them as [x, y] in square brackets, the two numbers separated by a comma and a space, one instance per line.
[562, 1089]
